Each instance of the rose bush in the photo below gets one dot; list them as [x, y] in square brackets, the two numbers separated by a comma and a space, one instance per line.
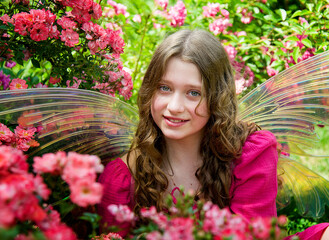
[60, 44]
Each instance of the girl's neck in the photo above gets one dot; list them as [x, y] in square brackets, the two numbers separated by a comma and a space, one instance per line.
[183, 153]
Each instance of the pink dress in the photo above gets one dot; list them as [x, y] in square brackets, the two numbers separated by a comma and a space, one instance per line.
[253, 191]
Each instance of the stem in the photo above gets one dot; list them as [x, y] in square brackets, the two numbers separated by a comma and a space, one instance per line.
[141, 48]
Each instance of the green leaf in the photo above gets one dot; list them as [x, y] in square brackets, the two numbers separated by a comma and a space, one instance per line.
[292, 38]
[35, 63]
[300, 13]
[283, 14]
[307, 42]
[318, 7]
[310, 6]
[271, 18]
[296, 54]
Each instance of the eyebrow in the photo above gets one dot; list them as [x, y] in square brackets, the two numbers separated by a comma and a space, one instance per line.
[189, 85]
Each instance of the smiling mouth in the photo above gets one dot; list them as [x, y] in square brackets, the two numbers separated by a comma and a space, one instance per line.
[175, 120]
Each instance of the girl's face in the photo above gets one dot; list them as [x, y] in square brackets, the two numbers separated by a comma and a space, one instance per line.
[176, 107]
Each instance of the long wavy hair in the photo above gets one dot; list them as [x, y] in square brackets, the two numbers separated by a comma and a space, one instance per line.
[224, 135]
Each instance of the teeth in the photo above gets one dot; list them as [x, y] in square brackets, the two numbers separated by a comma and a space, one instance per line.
[176, 121]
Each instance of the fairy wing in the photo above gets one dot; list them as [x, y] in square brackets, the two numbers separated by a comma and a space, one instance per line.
[310, 191]
[68, 119]
[289, 105]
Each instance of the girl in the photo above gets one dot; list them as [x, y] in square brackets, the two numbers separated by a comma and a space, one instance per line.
[188, 135]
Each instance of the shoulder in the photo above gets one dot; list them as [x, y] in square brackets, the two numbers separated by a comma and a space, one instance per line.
[259, 149]
[257, 143]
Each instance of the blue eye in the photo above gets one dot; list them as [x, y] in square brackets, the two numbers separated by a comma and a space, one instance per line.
[164, 88]
[194, 93]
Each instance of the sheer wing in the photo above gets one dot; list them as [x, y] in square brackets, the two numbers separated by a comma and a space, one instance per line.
[289, 105]
[78, 120]
[310, 190]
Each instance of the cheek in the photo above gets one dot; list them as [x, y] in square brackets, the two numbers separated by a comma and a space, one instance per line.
[202, 110]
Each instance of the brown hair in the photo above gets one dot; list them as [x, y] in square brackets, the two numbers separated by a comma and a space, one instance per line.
[223, 138]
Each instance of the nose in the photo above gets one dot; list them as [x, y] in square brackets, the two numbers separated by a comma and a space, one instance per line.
[176, 104]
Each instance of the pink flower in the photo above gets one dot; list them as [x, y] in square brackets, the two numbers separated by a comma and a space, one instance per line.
[12, 160]
[179, 228]
[231, 52]
[246, 15]
[115, 41]
[137, 18]
[23, 22]
[211, 9]
[52, 219]
[122, 213]
[155, 235]
[6, 19]
[10, 64]
[177, 14]
[41, 188]
[66, 23]
[96, 10]
[54, 80]
[4, 80]
[5, 134]
[239, 86]
[40, 85]
[271, 72]
[162, 3]
[303, 21]
[18, 83]
[39, 32]
[118, 8]
[261, 227]
[219, 25]
[50, 163]
[84, 192]
[26, 134]
[81, 166]
[109, 236]
[70, 37]
[60, 231]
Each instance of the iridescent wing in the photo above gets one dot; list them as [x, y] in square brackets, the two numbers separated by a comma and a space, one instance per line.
[289, 105]
[310, 191]
[78, 120]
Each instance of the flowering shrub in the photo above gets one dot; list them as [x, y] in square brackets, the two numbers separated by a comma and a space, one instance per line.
[27, 203]
[261, 37]
[201, 220]
[62, 39]
[21, 138]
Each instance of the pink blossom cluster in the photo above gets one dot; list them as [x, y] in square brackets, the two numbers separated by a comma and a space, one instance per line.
[220, 22]
[42, 24]
[19, 197]
[82, 11]
[115, 80]
[175, 14]
[117, 9]
[4, 80]
[79, 171]
[122, 213]
[175, 223]
[244, 76]
[288, 48]
[246, 17]
[100, 38]
[38, 24]
[22, 138]
[109, 236]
